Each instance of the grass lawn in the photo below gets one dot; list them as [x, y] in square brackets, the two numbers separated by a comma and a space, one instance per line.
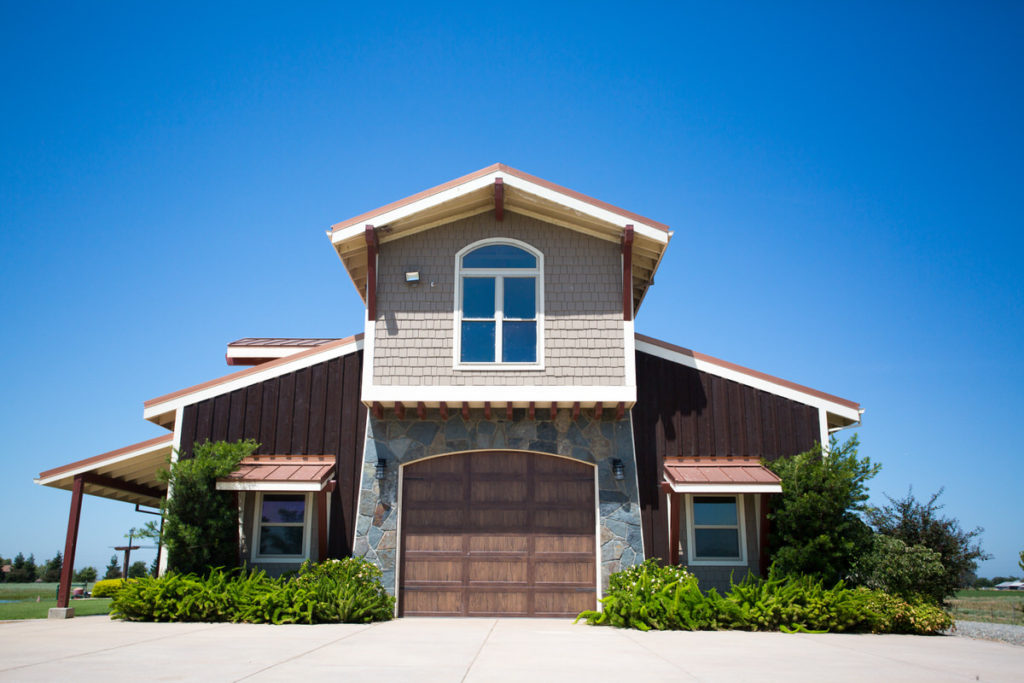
[30, 609]
[995, 607]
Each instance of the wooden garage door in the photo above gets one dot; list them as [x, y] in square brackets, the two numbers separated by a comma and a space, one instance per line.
[497, 534]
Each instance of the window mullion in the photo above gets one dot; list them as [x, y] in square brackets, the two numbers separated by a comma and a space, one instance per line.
[499, 315]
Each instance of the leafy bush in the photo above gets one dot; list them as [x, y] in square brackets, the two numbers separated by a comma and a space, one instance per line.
[650, 596]
[346, 590]
[917, 523]
[107, 588]
[815, 525]
[201, 523]
[895, 568]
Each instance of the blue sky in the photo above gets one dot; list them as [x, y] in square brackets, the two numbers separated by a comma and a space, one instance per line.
[844, 184]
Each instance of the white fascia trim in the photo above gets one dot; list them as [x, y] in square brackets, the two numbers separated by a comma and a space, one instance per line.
[726, 488]
[270, 486]
[256, 377]
[106, 463]
[499, 394]
[647, 231]
[755, 382]
[265, 351]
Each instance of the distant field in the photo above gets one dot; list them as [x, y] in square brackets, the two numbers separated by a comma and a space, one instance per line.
[996, 607]
[30, 609]
[26, 591]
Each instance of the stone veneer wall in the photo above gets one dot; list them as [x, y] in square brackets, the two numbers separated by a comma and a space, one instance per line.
[587, 440]
[583, 337]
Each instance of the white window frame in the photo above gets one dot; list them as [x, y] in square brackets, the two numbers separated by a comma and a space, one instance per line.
[307, 529]
[498, 274]
[691, 526]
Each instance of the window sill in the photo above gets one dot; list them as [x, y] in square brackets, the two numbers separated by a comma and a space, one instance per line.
[734, 562]
[278, 559]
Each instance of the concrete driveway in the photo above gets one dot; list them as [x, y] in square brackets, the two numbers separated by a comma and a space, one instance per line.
[98, 649]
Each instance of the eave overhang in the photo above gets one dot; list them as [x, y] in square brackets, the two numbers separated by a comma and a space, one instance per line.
[519, 193]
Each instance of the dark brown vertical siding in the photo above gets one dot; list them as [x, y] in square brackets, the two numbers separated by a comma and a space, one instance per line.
[312, 411]
[683, 412]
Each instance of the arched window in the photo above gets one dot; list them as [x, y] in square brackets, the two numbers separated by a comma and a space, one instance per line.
[498, 304]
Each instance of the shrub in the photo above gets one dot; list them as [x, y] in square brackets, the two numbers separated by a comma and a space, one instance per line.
[346, 590]
[107, 588]
[816, 528]
[917, 523]
[649, 596]
[895, 568]
[201, 523]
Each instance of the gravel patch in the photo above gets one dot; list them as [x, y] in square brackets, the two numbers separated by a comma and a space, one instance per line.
[1005, 633]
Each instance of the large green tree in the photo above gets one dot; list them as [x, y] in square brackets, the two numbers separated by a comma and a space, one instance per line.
[200, 522]
[816, 526]
[917, 523]
[113, 568]
[51, 570]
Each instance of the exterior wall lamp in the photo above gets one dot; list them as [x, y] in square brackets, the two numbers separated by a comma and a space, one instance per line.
[412, 277]
[618, 469]
[380, 470]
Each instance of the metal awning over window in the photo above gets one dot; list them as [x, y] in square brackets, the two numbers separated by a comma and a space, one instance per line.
[280, 473]
[720, 475]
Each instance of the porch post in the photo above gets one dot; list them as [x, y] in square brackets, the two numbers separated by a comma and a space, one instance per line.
[763, 541]
[70, 544]
[321, 524]
[673, 527]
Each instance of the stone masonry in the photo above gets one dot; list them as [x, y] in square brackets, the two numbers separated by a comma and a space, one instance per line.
[585, 439]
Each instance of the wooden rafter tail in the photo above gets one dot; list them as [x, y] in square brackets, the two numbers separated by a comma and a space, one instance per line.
[421, 410]
[371, 272]
[499, 200]
[487, 410]
[400, 410]
[532, 411]
[554, 410]
[620, 410]
[576, 410]
[598, 410]
[508, 411]
[444, 410]
[465, 410]
[377, 410]
[627, 273]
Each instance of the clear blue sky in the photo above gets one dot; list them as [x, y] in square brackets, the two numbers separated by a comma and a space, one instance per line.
[844, 184]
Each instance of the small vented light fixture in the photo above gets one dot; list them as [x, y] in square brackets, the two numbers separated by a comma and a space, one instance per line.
[381, 468]
[618, 469]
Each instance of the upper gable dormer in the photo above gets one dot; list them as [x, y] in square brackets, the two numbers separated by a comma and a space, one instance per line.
[500, 288]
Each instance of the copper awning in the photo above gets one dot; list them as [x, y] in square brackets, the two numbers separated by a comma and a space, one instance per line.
[720, 475]
[280, 473]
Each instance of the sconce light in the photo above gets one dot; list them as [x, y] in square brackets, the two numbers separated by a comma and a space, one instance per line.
[381, 468]
[618, 469]
[412, 277]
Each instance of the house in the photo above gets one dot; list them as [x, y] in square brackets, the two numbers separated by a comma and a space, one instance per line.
[1010, 586]
[498, 439]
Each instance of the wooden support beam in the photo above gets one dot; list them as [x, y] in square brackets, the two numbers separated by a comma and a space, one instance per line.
[465, 410]
[765, 530]
[71, 542]
[378, 410]
[421, 410]
[620, 410]
[627, 273]
[321, 524]
[371, 273]
[508, 411]
[331, 485]
[576, 410]
[532, 411]
[673, 527]
[554, 410]
[121, 485]
[598, 410]
[400, 410]
[444, 410]
[487, 410]
[499, 200]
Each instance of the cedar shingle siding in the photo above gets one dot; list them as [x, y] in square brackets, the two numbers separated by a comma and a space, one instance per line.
[583, 341]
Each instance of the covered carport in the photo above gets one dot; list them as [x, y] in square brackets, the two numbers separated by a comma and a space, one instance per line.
[127, 474]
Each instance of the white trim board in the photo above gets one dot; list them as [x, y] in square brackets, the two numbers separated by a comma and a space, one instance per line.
[747, 380]
[726, 488]
[478, 394]
[254, 376]
[272, 486]
[509, 180]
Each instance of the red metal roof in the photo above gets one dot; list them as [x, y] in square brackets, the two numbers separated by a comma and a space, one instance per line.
[284, 468]
[719, 471]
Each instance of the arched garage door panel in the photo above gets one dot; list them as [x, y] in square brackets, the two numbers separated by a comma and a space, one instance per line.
[497, 534]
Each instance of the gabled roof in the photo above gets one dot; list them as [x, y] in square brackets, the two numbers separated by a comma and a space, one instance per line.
[520, 193]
